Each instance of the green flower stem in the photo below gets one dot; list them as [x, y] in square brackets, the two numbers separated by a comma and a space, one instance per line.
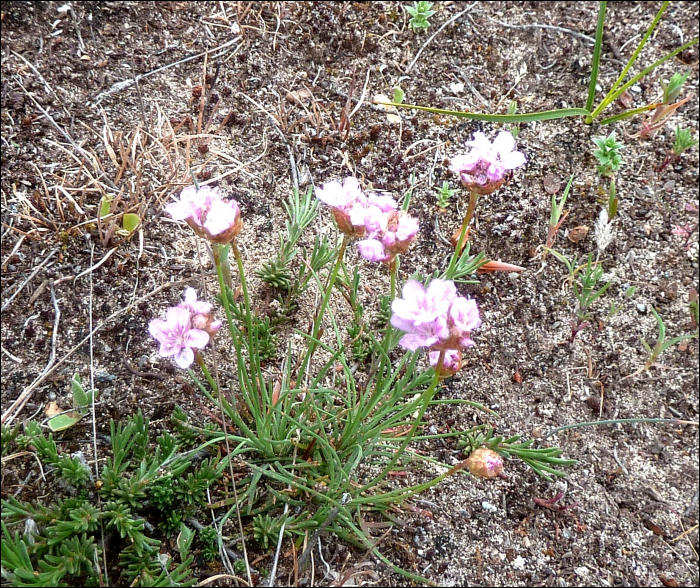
[473, 199]
[203, 366]
[424, 401]
[252, 342]
[324, 304]
[222, 285]
[393, 274]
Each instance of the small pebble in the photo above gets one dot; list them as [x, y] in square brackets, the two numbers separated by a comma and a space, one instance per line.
[556, 325]
[488, 507]
[636, 89]
[519, 563]
[641, 308]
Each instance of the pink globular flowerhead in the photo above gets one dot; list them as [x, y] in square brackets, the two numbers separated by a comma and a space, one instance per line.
[483, 170]
[208, 214]
[348, 203]
[436, 318]
[485, 463]
[398, 233]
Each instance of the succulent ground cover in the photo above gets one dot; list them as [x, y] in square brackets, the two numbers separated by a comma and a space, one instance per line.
[116, 115]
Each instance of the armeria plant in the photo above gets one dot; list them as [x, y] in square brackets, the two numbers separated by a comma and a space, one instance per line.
[319, 442]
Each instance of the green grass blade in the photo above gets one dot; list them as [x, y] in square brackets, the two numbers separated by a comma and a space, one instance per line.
[608, 100]
[533, 116]
[628, 114]
[596, 56]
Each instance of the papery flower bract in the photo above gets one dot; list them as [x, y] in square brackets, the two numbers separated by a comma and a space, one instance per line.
[207, 214]
[484, 168]
[177, 337]
[485, 463]
[451, 363]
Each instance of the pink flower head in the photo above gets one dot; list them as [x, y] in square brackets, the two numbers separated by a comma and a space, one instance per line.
[399, 231]
[484, 168]
[207, 214]
[436, 318]
[485, 463]
[200, 313]
[177, 337]
[348, 204]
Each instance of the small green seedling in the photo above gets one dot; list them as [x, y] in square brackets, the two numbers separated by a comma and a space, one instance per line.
[608, 154]
[420, 12]
[443, 195]
[673, 88]
[130, 221]
[399, 95]
[684, 141]
[184, 541]
[585, 290]
[82, 401]
[557, 216]
[661, 343]
[615, 308]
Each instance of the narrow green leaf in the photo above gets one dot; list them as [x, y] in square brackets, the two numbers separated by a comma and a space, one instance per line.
[596, 55]
[628, 114]
[534, 116]
[608, 98]
[611, 98]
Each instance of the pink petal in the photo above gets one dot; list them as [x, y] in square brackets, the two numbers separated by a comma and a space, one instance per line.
[407, 229]
[196, 338]
[413, 292]
[159, 330]
[220, 218]
[504, 143]
[184, 358]
[383, 203]
[465, 162]
[412, 341]
[513, 160]
[373, 250]
[190, 295]
[441, 291]
[178, 319]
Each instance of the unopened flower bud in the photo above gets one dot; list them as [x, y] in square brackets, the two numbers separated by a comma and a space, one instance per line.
[485, 463]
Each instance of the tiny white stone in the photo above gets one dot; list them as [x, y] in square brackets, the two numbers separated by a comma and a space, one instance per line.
[519, 563]
[636, 89]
